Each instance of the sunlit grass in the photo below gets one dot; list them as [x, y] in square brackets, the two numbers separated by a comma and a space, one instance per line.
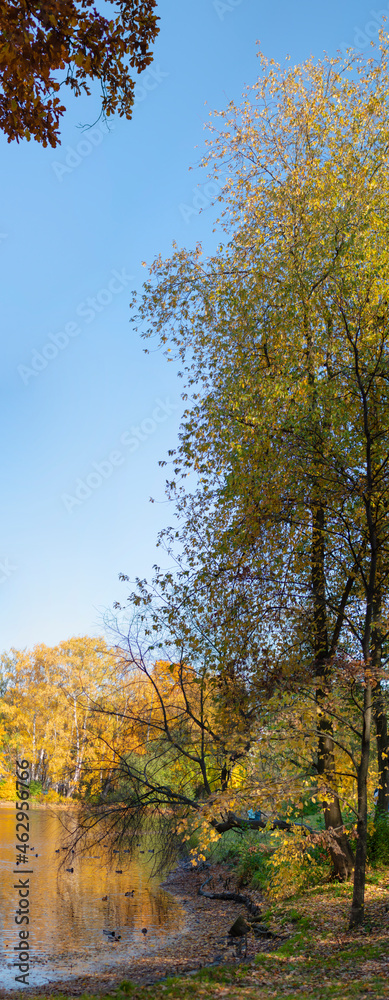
[314, 958]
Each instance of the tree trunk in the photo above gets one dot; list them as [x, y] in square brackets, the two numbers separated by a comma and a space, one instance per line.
[33, 764]
[381, 724]
[358, 903]
[343, 859]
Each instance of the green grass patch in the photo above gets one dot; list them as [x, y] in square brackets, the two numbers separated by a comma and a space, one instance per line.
[314, 958]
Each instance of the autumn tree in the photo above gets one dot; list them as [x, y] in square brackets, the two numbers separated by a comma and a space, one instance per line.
[51, 43]
[190, 731]
[283, 339]
[47, 711]
[180, 745]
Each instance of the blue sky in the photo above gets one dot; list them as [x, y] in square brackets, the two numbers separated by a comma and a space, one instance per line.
[75, 225]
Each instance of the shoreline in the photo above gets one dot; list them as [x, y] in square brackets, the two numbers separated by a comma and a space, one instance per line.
[33, 804]
[202, 942]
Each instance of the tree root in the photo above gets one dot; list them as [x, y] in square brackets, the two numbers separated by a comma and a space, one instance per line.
[238, 897]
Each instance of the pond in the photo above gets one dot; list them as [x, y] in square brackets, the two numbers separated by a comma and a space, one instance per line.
[68, 911]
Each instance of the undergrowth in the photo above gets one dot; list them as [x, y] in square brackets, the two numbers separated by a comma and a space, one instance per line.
[276, 864]
[282, 865]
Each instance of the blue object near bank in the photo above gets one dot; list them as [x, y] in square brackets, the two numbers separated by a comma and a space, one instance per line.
[375, 796]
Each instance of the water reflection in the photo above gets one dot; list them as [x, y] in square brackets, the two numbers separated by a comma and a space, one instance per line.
[69, 911]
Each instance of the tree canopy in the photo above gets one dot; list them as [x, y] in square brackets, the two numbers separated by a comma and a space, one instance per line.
[51, 43]
[47, 711]
[283, 336]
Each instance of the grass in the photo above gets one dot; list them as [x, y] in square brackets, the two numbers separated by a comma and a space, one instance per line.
[315, 958]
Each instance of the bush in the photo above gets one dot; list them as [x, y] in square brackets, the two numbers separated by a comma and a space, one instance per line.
[50, 796]
[296, 866]
[8, 789]
[279, 864]
[378, 841]
[35, 789]
[246, 852]
[253, 864]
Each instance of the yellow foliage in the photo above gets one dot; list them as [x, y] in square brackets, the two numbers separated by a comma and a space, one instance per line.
[291, 868]
[8, 788]
[48, 709]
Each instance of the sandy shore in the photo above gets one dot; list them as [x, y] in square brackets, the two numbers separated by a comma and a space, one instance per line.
[202, 942]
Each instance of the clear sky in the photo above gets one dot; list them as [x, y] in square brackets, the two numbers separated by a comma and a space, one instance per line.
[75, 224]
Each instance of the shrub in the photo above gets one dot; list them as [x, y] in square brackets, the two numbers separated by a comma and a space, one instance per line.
[378, 841]
[50, 796]
[281, 865]
[253, 864]
[35, 789]
[296, 866]
[8, 788]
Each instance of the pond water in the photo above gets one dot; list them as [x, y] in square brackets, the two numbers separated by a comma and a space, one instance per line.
[67, 911]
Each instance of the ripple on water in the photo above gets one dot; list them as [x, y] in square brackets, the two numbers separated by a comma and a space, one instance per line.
[67, 911]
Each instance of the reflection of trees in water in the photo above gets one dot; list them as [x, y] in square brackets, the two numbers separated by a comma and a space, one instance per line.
[68, 907]
[71, 908]
[163, 909]
[115, 914]
[66, 900]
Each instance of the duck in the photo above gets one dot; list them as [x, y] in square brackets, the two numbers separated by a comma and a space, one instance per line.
[119, 871]
[130, 893]
[112, 935]
[151, 850]
[104, 899]
[144, 930]
[70, 869]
